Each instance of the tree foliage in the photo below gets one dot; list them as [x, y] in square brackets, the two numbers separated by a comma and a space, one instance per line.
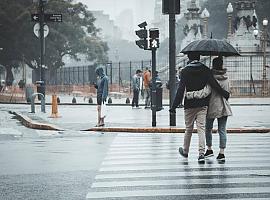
[75, 36]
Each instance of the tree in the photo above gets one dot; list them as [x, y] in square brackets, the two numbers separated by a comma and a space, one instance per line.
[75, 36]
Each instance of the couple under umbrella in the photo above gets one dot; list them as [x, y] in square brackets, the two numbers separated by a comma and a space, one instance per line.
[206, 94]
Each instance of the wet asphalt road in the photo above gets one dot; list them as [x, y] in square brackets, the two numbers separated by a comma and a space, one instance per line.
[81, 165]
[38, 164]
[50, 168]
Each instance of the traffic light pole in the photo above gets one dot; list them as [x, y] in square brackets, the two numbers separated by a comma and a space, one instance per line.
[154, 44]
[172, 75]
[154, 89]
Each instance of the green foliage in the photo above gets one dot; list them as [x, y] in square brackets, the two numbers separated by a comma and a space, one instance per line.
[75, 36]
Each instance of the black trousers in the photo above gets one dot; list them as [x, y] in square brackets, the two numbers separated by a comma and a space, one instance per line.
[135, 100]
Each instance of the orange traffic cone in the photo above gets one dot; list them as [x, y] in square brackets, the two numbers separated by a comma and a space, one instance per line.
[54, 107]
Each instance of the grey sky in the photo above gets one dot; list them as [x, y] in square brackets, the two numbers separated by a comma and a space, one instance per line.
[143, 9]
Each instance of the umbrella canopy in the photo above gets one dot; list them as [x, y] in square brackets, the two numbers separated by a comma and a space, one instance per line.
[211, 47]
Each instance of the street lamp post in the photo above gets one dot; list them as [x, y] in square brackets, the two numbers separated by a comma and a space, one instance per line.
[229, 12]
[263, 39]
[205, 15]
[265, 23]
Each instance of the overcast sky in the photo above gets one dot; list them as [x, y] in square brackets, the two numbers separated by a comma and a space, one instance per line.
[142, 9]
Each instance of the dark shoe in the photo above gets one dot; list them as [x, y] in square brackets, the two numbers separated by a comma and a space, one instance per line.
[208, 153]
[99, 125]
[201, 158]
[181, 151]
[221, 157]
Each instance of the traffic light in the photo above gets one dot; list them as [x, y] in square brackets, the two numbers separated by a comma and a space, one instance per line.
[154, 38]
[142, 42]
[142, 34]
[171, 6]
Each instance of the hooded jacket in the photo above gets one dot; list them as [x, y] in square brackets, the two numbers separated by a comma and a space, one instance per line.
[194, 77]
[219, 106]
[102, 84]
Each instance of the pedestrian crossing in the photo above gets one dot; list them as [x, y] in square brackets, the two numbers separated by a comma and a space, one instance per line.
[148, 166]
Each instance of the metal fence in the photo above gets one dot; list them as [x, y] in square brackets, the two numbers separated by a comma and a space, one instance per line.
[245, 74]
[119, 74]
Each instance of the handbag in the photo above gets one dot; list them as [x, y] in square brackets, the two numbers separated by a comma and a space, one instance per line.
[103, 110]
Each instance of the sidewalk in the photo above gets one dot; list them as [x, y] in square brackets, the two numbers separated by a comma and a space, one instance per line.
[249, 116]
[67, 99]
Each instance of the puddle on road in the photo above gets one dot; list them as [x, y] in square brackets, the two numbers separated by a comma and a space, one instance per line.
[40, 146]
[59, 152]
[8, 137]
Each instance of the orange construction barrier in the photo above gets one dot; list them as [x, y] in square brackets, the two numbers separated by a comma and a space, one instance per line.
[54, 107]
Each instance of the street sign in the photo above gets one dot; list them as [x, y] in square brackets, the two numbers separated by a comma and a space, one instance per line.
[47, 17]
[35, 17]
[53, 17]
[37, 27]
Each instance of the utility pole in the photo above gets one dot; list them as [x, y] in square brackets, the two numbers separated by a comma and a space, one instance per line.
[41, 83]
[41, 30]
[171, 7]
[172, 75]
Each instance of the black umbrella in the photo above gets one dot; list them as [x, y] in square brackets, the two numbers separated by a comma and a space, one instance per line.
[211, 47]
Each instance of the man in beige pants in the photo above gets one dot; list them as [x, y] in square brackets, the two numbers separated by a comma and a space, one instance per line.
[195, 76]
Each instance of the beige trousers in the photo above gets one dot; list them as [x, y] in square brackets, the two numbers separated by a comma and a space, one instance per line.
[192, 115]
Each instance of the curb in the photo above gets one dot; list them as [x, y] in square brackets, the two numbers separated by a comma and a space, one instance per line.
[26, 121]
[173, 130]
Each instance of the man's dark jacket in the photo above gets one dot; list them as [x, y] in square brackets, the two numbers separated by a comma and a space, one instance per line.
[194, 77]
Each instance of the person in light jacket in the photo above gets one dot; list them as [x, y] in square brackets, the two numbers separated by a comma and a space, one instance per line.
[219, 108]
[136, 88]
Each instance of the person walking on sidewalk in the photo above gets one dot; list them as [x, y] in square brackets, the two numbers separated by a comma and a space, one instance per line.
[136, 88]
[219, 108]
[194, 77]
[146, 84]
[102, 94]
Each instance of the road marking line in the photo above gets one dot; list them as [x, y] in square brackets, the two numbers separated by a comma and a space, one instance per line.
[180, 166]
[175, 156]
[130, 183]
[176, 192]
[175, 174]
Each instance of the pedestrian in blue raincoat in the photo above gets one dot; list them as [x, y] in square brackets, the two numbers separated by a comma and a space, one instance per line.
[102, 94]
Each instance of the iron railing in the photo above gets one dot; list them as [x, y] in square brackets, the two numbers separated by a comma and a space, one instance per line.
[244, 72]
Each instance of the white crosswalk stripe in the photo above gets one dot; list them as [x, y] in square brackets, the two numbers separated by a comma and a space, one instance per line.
[149, 167]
